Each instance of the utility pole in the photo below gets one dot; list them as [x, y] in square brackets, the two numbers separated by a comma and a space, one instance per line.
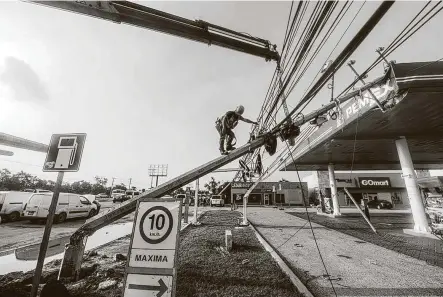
[196, 203]
[112, 186]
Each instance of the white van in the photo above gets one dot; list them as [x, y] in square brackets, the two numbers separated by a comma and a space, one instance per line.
[11, 204]
[69, 206]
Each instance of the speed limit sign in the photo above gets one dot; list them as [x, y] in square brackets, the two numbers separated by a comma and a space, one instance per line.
[152, 255]
[156, 225]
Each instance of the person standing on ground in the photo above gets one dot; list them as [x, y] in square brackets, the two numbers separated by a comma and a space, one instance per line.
[225, 125]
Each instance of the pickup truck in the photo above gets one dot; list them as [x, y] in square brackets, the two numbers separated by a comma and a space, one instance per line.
[217, 200]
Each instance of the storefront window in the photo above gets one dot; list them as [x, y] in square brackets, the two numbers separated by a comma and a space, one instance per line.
[280, 198]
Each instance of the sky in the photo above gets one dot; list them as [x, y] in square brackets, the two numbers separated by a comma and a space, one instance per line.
[149, 98]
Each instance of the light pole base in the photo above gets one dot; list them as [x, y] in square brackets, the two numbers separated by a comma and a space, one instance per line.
[419, 233]
[244, 224]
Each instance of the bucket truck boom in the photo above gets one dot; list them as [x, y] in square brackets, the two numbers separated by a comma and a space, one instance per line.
[148, 18]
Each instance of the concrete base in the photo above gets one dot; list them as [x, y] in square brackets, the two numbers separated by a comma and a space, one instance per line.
[420, 234]
[72, 261]
[228, 240]
[327, 214]
[243, 224]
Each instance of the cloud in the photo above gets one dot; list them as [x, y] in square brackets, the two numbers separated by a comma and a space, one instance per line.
[23, 81]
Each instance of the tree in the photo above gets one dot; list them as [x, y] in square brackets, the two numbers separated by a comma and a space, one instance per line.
[81, 187]
[102, 181]
[212, 186]
[121, 187]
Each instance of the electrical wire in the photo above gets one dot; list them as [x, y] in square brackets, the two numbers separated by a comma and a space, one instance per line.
[347, 52]
[392, 44]
[322, 43]
[307, 43]
[320, 47]
[310, 225]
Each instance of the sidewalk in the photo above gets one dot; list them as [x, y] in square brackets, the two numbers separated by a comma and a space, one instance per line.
[356, 267]
[389, 226]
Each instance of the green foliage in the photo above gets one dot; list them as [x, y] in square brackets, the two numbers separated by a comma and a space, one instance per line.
[22, 180]
[213, 186]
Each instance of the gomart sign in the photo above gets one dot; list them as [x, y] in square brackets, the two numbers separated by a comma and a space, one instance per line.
[374, 182]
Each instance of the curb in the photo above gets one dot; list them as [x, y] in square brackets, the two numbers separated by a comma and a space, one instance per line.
[276, 256]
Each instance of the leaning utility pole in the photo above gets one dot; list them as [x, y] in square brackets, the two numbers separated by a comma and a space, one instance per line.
[112, 186]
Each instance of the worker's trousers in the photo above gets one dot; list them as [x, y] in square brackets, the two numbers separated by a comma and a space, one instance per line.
[224, 134]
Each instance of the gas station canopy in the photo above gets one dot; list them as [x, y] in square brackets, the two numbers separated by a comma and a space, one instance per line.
[363, 137]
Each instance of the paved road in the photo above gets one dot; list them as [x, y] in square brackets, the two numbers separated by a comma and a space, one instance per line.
[356, 267]
[16, 234]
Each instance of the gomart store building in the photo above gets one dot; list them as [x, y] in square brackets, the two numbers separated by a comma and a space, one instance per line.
[370, 186]
[263, 194]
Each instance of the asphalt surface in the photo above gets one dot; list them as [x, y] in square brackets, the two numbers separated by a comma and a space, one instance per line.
[354, 267]
[20, 233]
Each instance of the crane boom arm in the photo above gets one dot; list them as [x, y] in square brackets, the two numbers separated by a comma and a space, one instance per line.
[148, 18]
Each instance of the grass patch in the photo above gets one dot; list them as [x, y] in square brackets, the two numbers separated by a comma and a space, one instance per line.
[248, 270]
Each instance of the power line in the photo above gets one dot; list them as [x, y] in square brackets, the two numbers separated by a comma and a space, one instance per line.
[310, 225]
[347, 51]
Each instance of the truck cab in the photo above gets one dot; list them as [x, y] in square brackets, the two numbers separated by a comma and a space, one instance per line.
[217, 200]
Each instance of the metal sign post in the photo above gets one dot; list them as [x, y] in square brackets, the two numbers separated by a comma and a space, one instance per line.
[150, 268]
[196, 203]
[64, 155]
[188, 196]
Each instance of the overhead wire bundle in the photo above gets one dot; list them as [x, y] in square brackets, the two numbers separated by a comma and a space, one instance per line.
[294, 57]
[401, 38]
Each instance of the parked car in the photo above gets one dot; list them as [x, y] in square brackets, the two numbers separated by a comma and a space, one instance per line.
[380, 204]
[117, 194]
[217, 200]
[69, 206]
[126, 196]
[102, 195]
[11, 204]
[93, 199]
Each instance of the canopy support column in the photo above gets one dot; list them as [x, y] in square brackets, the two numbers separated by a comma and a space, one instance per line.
[333, 185]
[407, 167]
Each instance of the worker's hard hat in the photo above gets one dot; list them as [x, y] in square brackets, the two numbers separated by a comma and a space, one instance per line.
[240, 109]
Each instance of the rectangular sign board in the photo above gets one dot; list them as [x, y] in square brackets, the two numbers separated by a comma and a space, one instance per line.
[351, 111]
[150, 269]
[152, 258]
[141, 285]
[374, 182]
[65, 152]
[156, 226]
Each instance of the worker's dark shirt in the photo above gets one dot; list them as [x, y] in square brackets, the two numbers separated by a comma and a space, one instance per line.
[231, 119]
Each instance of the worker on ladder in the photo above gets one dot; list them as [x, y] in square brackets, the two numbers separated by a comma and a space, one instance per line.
[224, 126]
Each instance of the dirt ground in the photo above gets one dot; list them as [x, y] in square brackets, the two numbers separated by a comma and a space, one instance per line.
[204, 270]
